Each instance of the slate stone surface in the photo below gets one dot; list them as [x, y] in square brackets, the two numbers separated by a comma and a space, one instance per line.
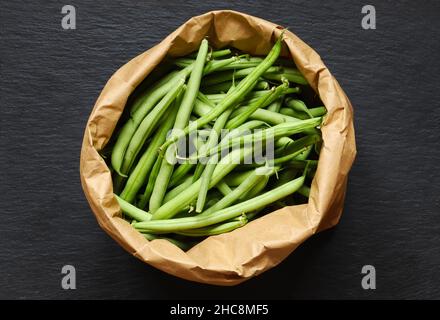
[50, 79]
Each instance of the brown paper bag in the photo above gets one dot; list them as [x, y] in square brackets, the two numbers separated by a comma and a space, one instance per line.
[231, 258]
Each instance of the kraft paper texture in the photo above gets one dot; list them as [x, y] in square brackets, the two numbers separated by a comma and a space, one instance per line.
[231, 258]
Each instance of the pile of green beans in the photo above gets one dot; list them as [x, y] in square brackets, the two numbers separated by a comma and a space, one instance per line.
[227, 106]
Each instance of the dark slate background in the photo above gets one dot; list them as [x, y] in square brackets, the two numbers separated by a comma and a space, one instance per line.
[50, 79]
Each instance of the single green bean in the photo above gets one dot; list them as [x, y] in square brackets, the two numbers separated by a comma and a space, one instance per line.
[215, 229]
[257, 189]
[225, 86]
[177, 190]
[276, 105]
[150, 184]
[236, 178]
[304, 190]
[180, 244]
[240, 63]
[292, 75]
[213, 54]
[192, 88]
[283, 142]
[216, 98]
[132, 211]
[228, 75]
[223, 188]
[291, 113]
[219, 53]
[299, 106]
[315, 112]
[204, 186]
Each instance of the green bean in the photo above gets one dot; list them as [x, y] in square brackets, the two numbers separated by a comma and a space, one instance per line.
[240, 63]
[146, 162]
[156, 93]
[292, 166]
[180, 244]
[193, 87]
[245, 128]
[228, 75]
[291, 113]
[132, 211]
[276, 105]
[202, 109]
[304, 155]
[173, 225]
[257, 189]
[118, 182]
[243, 63]
[214, 135]
[216, 98]
[283, 142]
[185, 167]
[213, 54]
[141, 100]
[275, 132]
[296, 148]
[215, 229]
[262, 102]
[292, 75]
[136, 118]
[215, 65]
[318, 111]
[204, 186]
[223, 188]
[166, 169]
[304, 190]
[148, 124]
[225, 86]
[225, 165]
[315, 112]
[299, 106]
[270, 117]
[234, 97]
[150, 184]
[301, 164]
[248, 184]
[220, 53]
[177, 190]
[236, 178]
[181, 171]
